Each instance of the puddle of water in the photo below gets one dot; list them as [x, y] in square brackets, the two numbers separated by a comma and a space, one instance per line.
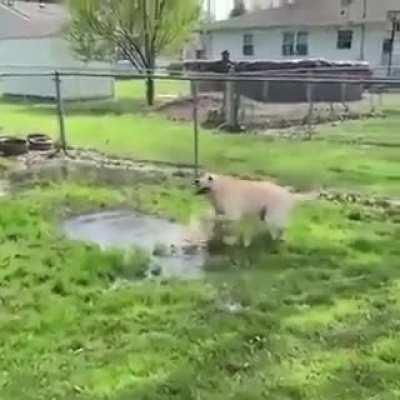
[124, 229]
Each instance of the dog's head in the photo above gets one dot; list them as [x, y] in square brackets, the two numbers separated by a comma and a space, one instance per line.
[205, 184]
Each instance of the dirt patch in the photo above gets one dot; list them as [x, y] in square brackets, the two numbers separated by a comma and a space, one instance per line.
[80, 158]
[359, 199]
[259, 116]
[182, 109]
[85, 164]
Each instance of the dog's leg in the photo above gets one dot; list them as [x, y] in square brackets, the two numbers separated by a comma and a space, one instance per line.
[277, 233]
[246, 233]
[223, 230]
[246, 239]
[277, 220]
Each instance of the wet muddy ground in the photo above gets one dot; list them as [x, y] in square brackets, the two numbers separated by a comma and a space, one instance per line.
[123, 229]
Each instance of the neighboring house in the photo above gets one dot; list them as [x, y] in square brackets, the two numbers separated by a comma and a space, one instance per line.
[32, 40]
[331, 29]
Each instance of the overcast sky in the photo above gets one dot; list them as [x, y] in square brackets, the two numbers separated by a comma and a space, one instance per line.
[222, 8]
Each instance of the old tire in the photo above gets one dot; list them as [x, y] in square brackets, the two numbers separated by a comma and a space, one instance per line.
[39, 142]
[12, 146]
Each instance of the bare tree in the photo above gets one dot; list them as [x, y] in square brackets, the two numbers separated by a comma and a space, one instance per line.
[137, 29]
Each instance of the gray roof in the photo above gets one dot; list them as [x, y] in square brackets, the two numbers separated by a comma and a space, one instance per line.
[310, 13]
[28, 20]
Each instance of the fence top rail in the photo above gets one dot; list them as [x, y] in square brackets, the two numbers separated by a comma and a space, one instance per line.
[123, 70]
[210, 77]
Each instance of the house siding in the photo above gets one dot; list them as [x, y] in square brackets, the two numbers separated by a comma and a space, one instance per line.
[377, 10]
[48, 55]
[322, 42]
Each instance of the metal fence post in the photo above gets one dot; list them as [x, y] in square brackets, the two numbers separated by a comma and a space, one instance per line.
[194, 90]
[232, 102]
[310, 100]
[380, 98]
[238, 104]
[371, 99]
[60, 111]
[343, 95]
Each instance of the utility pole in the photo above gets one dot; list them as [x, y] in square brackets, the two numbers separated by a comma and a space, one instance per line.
[363, 29]
[210, 8]
[209, 13]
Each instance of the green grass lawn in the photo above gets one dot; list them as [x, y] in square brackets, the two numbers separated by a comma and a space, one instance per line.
[316, 317]
[125, 127]
[319, 315]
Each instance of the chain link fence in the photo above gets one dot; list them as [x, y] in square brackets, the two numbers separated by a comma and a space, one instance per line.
[77, 107]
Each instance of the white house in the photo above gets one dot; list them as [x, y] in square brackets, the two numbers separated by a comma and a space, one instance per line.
[32, 40]
[216, 10]
[332, 29]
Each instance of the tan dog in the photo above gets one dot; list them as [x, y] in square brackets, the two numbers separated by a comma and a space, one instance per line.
[235, 199]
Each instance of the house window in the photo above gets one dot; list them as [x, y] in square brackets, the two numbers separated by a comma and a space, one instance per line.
[345, 40]
[248, 44]
[288, 43]
[302, 44]
[295, 43]
[387, 46]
